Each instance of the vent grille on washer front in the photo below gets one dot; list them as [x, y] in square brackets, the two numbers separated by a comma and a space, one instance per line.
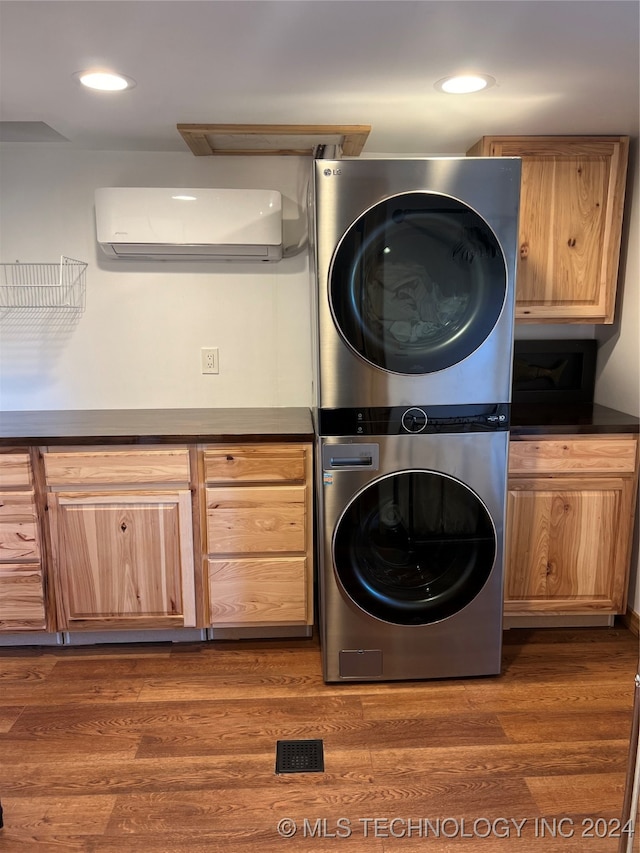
[299, 756]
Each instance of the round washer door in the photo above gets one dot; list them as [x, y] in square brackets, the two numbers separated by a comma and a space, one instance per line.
[414, 547]
[417, 283]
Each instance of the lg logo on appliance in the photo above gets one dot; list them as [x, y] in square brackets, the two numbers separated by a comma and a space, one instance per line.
[328, 172]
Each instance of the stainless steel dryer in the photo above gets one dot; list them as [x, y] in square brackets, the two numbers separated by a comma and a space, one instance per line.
[415, 280]
[412, 552]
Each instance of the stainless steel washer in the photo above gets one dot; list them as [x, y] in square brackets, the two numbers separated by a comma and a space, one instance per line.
[412, 550]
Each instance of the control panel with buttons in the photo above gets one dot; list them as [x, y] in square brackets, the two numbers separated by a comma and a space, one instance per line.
[418, 420]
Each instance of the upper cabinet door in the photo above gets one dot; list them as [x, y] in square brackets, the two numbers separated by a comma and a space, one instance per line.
[572, 199]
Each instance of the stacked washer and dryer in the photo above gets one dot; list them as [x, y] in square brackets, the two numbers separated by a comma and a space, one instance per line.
[415, 272]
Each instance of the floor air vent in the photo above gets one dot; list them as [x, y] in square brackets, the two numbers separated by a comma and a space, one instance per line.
[299, 756]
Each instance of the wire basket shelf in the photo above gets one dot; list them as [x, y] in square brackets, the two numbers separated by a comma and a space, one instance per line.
[50, 285]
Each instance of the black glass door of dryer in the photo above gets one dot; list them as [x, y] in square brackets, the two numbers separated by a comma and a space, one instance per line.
[417, 283]
[414, 547]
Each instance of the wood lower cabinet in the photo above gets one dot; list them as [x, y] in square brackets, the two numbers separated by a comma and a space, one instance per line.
[570, 521]
[258, 535]
[571, 207]
[122, 538]
[22, 588]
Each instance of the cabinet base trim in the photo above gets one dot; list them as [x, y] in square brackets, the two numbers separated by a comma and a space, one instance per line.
[90, 638]
[271, 632]
[32, 638]
[180, 635]
[569, 620]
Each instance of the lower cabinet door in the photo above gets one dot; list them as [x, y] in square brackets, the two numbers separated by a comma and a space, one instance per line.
[123, 560]
[567, 544]
[21, 598]
[260, 591]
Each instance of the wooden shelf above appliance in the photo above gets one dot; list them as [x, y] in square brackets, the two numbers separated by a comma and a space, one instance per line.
[277, 139]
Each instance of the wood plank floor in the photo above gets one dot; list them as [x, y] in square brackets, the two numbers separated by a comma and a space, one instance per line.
[171, 748]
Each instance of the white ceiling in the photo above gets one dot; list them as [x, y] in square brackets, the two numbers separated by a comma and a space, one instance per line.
[562, 68]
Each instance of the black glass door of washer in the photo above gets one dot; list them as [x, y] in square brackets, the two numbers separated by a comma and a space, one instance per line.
[417, 283]
[414, 547]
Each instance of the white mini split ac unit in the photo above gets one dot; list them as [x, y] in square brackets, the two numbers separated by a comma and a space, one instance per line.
[189, 224]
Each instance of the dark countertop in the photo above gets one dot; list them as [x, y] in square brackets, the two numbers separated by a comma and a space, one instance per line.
[163, 426]
[145, 426]
[574, 419]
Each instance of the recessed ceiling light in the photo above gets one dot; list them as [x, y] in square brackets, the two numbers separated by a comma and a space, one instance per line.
[104, 81]
[464, 84]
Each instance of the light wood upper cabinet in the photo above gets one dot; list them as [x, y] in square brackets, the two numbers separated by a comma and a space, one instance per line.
[571, 208]
[570, 523]
[258, 535]
[22, 591]
[122, 538]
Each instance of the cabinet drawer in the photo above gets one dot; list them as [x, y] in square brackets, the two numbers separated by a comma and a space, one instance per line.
[256, 519]
[18, 527]
[271, 591]
[116, 467]
[21, 598]
[588, 455]
[258, 464]
[15, 470]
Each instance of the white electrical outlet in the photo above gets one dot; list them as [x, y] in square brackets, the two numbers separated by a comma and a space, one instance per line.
[210, 360]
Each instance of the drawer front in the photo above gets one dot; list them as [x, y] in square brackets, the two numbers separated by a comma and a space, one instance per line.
[271, 464]
[116, 467]
[21, 598]
[15, 470]
[19, 539]
[589, 455]
[263, 591]
[259, 519]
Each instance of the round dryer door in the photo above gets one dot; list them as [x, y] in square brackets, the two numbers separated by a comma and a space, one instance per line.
[417, 283]
[414, 547]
